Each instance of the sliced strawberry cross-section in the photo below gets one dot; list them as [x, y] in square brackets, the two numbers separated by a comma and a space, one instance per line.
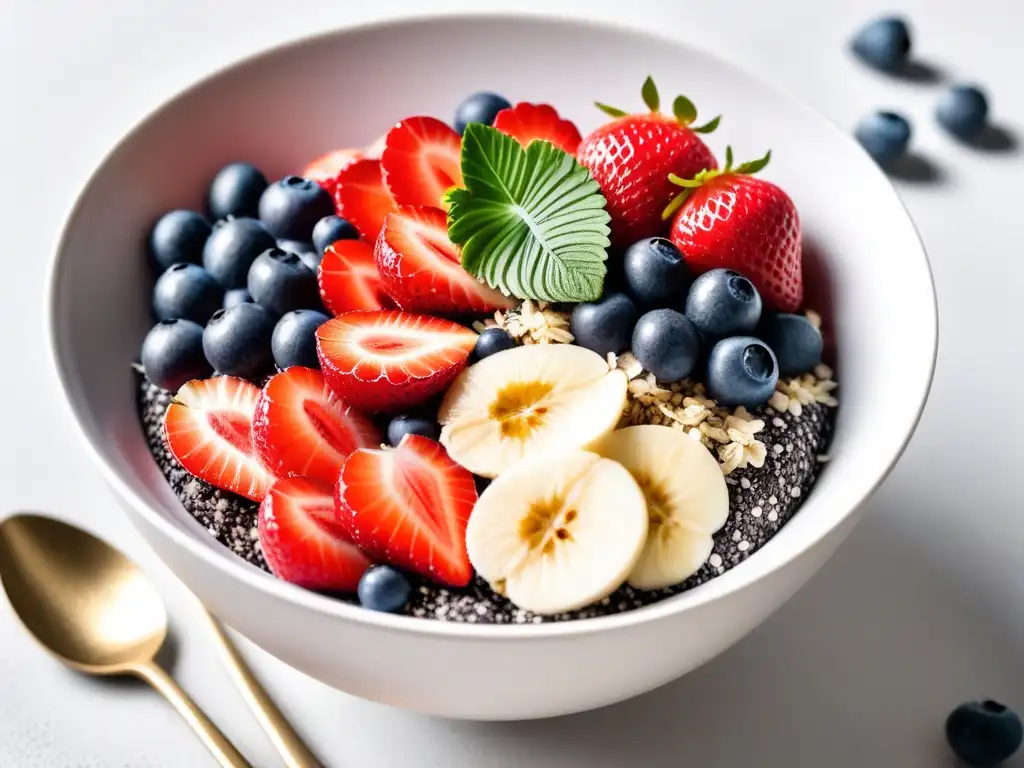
[208, 430]
[421, 268]
[389, 360]
[302, 428]
[302, 541]
[361, 197]
[349, 279]
[330, 164]
[526, 122]
[409, 506]
[421, 160]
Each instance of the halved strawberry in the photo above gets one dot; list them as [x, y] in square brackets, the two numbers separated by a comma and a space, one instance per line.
[526, 122]
[389, 360]
[329, 165]
[409, 506]
[302, 428]
[302, 541]
[420, 267]
[361, 197]
[421, 160]
[349, 279]
[208, 430]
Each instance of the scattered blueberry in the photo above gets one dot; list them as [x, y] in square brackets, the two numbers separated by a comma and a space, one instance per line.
[409, 424]
[310, 256]
[179, 236]
[235, 191]
[280, 282]
[291, 207]
[984, 733]
[655, 272]
[884, 135]
[382, 588]
[796, 343]
[237, 340]
[236, 296]
[884, 43]
[172, 353]
[667, 344]
[963, 111]
[605, 325]
[723, 303]
[742, 370]
[186, 291]
[294, 339]
[480, 107]
[492, 341]
[331, 229]
[233, 247]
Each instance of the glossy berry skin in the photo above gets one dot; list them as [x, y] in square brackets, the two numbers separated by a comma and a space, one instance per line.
[480, 107]
[666, 344]
[723, 303]
[280, 282]
[883, 44]
[237, 341]
[291, 207]
[307, 252]
[236, 296]
[796, 343]
[655, 272]
[605, 325]
[232, 248]
[383, 588]
[331, 229]
[407, 424]
[179, 236]
[884, 135]
[742, 370]
[963, 111]
[984, 733]
[188, 292]
[172, 353]
[490, 342]
[294, 339]
[235, 191]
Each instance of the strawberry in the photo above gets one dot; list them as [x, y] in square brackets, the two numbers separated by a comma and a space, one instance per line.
[421, 268]
[302, 428]
[361, 197]
[326, 167]
[421, 159]
[389, 360]
[349, 280]
[527, 122]
[302, 541]
[632, 156]
[409, 506]
[208, 430]
[730, 219]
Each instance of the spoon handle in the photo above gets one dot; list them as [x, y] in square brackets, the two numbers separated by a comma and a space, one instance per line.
[227, 756]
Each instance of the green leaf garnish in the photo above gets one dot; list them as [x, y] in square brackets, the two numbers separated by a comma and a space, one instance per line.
[684, 110]
[649, 92]
[611, 111]
[531, 222]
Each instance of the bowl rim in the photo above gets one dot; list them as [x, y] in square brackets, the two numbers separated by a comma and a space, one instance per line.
[742, 578]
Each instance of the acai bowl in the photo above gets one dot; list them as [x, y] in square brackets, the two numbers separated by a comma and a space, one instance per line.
[489, 621]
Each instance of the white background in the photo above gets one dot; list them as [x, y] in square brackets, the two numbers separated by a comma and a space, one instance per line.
[922, 608]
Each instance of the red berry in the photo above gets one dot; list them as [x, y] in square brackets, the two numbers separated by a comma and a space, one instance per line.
[349, 279]
[421, 160]
[527, 122]
[361, 197]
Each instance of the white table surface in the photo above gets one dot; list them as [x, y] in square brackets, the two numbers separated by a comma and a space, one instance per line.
[922, 608]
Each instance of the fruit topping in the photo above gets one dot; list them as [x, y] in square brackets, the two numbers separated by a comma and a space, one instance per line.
[667, 344]
[411, 424]
[301, 540]
[172, 353]
[235, 191]
[384, 588]
[540, 398]
[294, 339]
[233, 247]
[326, 167]
[606, 325]
[884, 44]
[331, 229]
[884, 135]
[742, 370]
[420, 161]
[687, 500]
[237, 340]
[420, 267]
[208, 431]
[349, 279]
[558, 532]
[387, 361]
[527, 122]
[408, 506]
[963, 111]
[179, 236]
[655, 273]
[302, 428]
[280, 282]
[984, 734]
[723, 303]
[796, 342]
[361, 197]
[480, 107]
[490, 342]
[291, 207]
[188, 292]
[236, 296]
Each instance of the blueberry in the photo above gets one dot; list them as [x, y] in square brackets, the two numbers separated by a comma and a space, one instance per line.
[884, 43]
[480, 107]
[382, 588]
[294, 339]
[605, 325]
[232, 248]
[172, 353]
[963, 111]
[796, 343]
[237, 340]
[235, 191]
[186, 291]
[492, 341]
[984, 733]
[409, 424]
[884, 135]
[655, 272]
[723, 303]
[742, 370]
[310, 256]
[331, 229]
[667, 344]
[280, 282]
[291, 207]
[236, 296]
[179, 236]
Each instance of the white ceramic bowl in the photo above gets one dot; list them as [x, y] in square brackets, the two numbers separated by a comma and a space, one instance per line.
[866, 268]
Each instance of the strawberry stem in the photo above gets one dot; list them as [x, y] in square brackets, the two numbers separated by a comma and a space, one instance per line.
[691, 185]
[682, 108]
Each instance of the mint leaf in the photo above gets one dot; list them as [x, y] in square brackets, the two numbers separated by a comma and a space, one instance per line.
[531, 222]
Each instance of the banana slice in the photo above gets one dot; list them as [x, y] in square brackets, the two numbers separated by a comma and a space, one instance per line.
[687, 500]
[556, 533]
[540, 398]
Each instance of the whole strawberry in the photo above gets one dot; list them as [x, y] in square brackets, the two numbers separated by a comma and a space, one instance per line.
[727, 218]
[632, 156]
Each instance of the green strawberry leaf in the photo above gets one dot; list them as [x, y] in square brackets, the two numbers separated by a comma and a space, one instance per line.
[649, 92]
[610, 111]
[684, 110]
[753, 166]
[708, 127]
[531, 222]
